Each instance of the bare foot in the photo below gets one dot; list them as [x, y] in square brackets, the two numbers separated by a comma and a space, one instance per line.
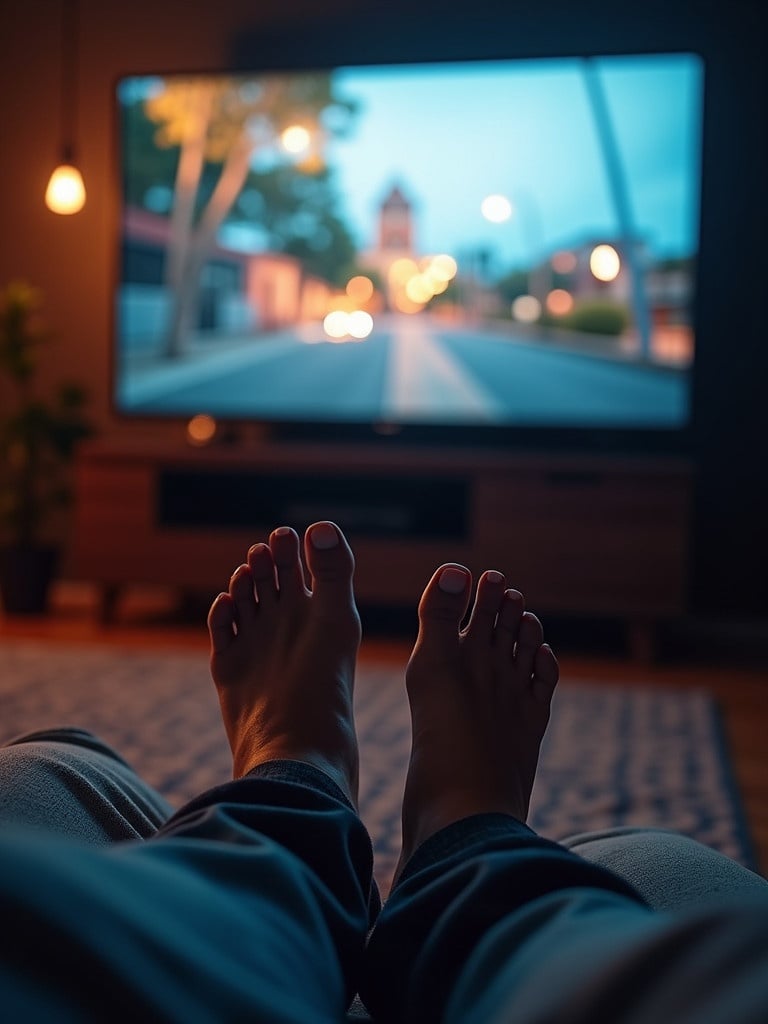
[479, 701]
[283, 657]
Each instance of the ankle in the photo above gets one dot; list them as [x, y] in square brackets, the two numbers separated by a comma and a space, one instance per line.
[341, 768]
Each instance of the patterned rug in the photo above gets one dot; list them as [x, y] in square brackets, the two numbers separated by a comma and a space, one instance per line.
[612, 755]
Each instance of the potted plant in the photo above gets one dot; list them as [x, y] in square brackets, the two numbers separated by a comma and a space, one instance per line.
[38, 437]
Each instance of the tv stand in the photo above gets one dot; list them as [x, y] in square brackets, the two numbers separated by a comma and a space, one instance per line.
[580, 535]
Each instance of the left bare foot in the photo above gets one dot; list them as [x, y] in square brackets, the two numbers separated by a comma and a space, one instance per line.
[480, 700]
[283, 657]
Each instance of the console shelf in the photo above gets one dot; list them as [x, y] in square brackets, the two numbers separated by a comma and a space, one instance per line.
[579, 535]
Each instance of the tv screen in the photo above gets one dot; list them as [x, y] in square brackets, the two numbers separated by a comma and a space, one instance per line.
[492, 243]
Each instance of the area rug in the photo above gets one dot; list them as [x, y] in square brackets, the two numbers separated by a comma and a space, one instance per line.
[613, 755]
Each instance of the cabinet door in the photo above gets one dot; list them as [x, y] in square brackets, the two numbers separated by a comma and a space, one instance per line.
[587, 542]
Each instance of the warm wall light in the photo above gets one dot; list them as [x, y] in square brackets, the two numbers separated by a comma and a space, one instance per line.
[66, 192]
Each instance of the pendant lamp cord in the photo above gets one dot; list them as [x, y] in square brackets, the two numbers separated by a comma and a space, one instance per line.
[69, 63]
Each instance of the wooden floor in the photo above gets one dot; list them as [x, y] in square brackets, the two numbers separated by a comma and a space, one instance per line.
[733, 669]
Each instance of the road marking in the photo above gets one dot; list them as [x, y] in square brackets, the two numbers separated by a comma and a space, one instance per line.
[424, 380]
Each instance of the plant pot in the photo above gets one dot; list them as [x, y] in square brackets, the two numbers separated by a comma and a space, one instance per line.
[26, 573]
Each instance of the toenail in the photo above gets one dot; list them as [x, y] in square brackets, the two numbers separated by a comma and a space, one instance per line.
[494, 577]
[324, 536]
[282, 531]
[452, 581]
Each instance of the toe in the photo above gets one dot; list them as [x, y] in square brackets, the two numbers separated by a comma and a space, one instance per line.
[263, 572]
[243, 598]
[508, 623]
[221, 621]
[443, 606]
[529, 638]
[490, 594]
[546, 673]
[330, 561]
[284, 544]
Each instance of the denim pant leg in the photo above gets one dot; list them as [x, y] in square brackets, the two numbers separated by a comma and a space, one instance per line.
[489, 922]
[70, 782]
[252, 902]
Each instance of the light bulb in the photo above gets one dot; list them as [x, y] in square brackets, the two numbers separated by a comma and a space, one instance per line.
[66, 191]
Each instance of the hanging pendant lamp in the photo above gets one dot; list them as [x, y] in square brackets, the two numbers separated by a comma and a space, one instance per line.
[66, 192]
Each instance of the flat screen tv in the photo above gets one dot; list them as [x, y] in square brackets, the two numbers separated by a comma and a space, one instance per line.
[495, 248]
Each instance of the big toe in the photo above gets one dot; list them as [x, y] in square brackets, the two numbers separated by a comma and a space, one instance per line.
[442, 608]
[331, 564]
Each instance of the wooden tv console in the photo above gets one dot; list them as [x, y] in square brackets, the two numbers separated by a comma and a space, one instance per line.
[579, 535]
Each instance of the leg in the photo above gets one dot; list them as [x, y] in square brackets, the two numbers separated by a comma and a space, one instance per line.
[252, 902]
[69, 782]
[488, 921]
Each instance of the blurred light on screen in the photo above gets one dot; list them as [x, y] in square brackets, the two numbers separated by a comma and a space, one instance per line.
[496, 209]
[559, 302]
[526, 309]
[295, 139]
[604, 263]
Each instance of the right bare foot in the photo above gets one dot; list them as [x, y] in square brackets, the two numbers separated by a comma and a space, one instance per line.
[283, 657]
[480, 700]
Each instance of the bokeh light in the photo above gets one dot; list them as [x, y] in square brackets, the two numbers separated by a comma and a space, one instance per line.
[336, 324]
[437, 286]
[412, 285]
[295, 139]
[564, 262]
[496, 208]
[418, 289]
[402, 269]
[604, 263]
[340, 324]
[359, 324]
[359, 288]
[526, 309]
[201, 429]
[443, 267]
[559, 302]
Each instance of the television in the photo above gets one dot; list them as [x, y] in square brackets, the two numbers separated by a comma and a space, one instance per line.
[476, 248]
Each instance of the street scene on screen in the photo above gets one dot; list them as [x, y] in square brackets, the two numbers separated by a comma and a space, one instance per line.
[485, 243]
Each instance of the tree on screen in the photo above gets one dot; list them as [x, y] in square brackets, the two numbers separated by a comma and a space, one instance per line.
[222, 129]
[295, 209]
